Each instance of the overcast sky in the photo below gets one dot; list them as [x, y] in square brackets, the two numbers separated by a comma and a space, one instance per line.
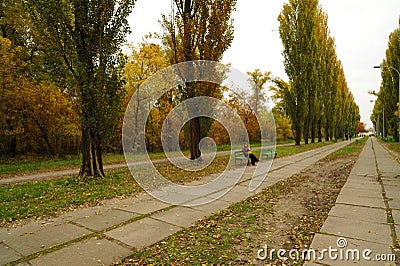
[361, 29]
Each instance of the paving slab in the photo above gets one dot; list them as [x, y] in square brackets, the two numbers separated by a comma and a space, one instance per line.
[368, 231]
[104, 219]
[360, 192]
[79, 213]
[394, 203]
[359, 213]
[360, 201]
[144, 207]
[180, 216]
[352, 252]
[390, 182]
[89, 252]
[30, 242]
[7, 254]
[364, 177]
[143, 233]
[308, 263]
[365, 185]
[396, 217]
[213, 207]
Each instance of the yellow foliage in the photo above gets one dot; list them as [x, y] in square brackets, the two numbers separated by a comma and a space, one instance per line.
[35, 118]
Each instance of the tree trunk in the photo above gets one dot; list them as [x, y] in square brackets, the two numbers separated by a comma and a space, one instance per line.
[92, 163]
[306, 130]
[297, 132]
[327, 131]
[195, 138]
[312, 132]
[320, 130]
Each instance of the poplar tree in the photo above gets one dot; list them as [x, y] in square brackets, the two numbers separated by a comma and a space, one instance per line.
[82, 42]
[200, 30]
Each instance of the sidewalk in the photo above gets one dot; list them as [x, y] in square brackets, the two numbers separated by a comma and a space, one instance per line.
[361, 217]
[103, 234]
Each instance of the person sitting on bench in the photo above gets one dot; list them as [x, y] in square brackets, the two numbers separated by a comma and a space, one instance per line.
[248, 154]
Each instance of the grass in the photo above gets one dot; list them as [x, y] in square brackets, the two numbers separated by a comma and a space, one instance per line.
[24, 165]
[37, 164]
[354, 148]
[52, 197]
[294, 149]
[394, 146]
[49, 198]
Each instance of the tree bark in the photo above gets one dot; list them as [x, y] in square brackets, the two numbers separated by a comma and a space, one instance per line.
[327, 131]
[320, 130]
[297, 132]
[92, 164]
[306, 130]
[195, 138]
[313, 132]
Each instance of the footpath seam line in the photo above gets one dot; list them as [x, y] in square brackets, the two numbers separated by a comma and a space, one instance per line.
[393, 234]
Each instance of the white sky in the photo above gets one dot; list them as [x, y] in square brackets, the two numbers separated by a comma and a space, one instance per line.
[361, 29]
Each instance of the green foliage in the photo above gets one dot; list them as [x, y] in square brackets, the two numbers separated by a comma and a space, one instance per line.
[388, 95]
[316, 98]
[258, 97]
[83, 40]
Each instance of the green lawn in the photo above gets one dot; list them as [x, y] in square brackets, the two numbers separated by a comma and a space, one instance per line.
[351, 149]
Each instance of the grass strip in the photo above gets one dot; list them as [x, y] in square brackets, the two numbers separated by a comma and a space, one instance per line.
[37, 164]
[352, 149]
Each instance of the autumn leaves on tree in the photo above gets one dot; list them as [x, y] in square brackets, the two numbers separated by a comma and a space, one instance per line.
[200, 30]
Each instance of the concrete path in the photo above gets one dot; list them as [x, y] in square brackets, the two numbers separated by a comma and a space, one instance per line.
[361, 226]
[103, 234]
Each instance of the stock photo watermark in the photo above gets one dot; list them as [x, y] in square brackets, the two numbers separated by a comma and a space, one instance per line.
[144, 101]
[340, 252]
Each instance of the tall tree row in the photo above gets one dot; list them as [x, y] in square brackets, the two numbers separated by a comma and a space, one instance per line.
[316, 97]
[388, 96]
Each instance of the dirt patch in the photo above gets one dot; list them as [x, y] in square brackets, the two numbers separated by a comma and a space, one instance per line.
[284, 216]
[301, 210]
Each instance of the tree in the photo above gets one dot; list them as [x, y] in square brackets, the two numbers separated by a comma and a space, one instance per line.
[34, 118]
[283, 124]
[201, 30]
[11, 82]
[297, 21]
[258, 80]
[144, 61]
[84, 38]
[316, 95]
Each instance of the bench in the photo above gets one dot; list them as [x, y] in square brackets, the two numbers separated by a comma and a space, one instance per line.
[268, 154]
[239, 156]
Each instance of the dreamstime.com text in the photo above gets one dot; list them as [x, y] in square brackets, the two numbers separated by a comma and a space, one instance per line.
[339, 253]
